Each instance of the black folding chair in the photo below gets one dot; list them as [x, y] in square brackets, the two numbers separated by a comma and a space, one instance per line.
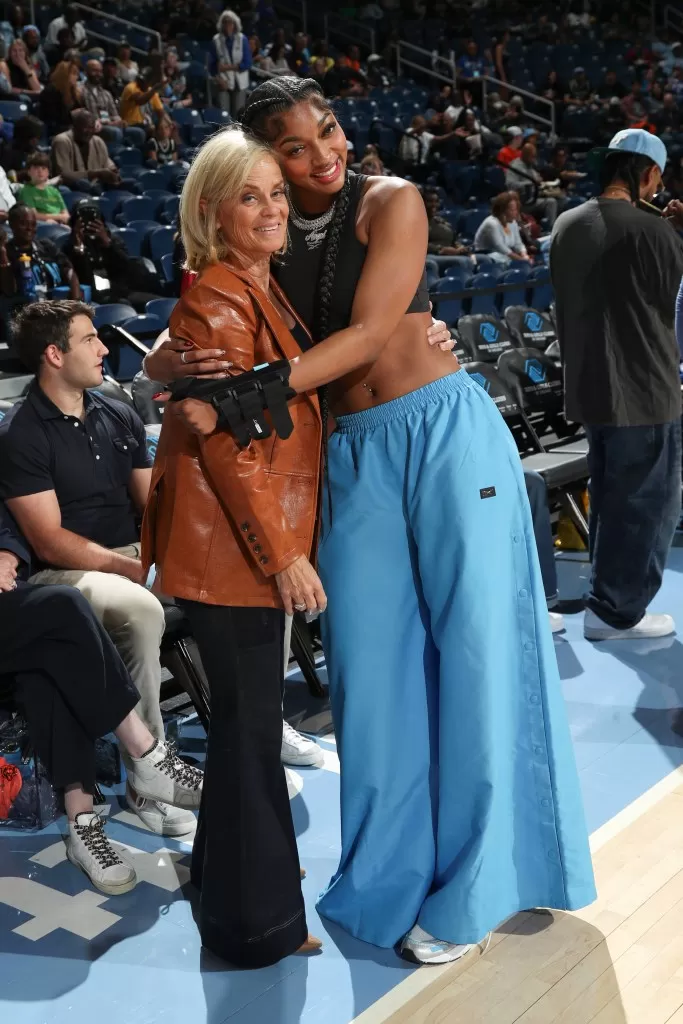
[529, 327]
[484, 337]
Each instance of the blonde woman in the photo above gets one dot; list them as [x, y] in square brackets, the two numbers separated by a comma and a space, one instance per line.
[232, 530]
[232, 58]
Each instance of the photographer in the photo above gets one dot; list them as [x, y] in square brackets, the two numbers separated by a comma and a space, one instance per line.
[102, 262]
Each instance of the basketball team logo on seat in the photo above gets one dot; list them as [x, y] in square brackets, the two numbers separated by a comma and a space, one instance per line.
[481, 381]
[533, 321]
[534, 371]
[489, 332]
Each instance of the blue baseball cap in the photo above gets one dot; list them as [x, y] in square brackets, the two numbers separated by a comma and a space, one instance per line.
[633, 140]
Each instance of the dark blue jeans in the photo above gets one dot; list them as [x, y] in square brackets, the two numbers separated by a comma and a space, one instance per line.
[538, 500]
[635, 491]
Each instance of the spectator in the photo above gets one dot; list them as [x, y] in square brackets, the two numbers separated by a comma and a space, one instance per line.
[276, 62]
[668, 120]
[318, 71]
[49, 268]
[371, 164]
[65, 49]
[442, 239]
[636, 108]
[558, 170]
[69, 20]
[655, 99]
[351, 59]
[523, 177]
[279, 39]
[13, 26]
[23, 76]
[45, 199]
[640, 55]
[128, 68]
[415, 146]
[141, 104]
[102, 262]
[5, 83]
[501, 57]
[80, 157]
[580, 91]
[101, 104]
[342, 81]
[175, 92]
[299, 57]
[512, 149]
[162, 148]
[469, 131]
[36, 54]
[470, 68]
[609, 87]
[111, 80]
[441, 100]
[499, 234]
[61, 97]
[552, 88]
[611, 120]
[15, 153]
[7, 198]
[321, 51]
[75, 473]
[232, 60]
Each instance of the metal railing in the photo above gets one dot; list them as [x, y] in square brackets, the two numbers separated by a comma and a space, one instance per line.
[119, 21]
[673, 19]
[349, 29]
[296, 8]
[487, 80]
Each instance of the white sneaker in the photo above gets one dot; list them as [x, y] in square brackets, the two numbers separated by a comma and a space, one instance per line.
[160, 817]
[298, 750]
[556, 622]
[161, 775]
[649, 626]
[420, 947]
[89, 849]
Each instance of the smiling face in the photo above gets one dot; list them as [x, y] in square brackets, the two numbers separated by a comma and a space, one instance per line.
[254, 224]
[311, 147]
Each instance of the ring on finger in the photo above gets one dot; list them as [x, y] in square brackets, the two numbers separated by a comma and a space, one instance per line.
[299, 607]
[182, 357]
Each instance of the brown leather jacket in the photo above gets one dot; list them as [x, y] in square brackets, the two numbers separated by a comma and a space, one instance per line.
[222, 520]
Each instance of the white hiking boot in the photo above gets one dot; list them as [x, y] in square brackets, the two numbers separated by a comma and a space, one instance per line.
[161, 775]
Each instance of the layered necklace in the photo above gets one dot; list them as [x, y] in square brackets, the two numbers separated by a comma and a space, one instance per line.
[315, 229]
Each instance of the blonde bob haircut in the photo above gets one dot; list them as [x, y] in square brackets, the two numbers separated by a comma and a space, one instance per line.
[219, 171]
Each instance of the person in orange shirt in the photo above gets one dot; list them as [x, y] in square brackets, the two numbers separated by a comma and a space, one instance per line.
[140, 101]
[511, 151]
[352, 58]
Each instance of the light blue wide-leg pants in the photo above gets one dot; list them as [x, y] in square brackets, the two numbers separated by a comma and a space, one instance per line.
[460, 800]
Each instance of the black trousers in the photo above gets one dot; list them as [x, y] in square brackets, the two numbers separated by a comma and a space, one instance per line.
[245, 859]
[635, 492]
[66, 677]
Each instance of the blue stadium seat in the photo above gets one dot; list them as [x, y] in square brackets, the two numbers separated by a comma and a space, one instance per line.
[55, 232]
[144, 325]
[131, 239]
[12, 110]
[112, 313]
[138, 208]
[448, 310]
[152, 179]
[541, 288]
[199, 132]
[158, 197]
[109, 202]
[169, 211]
[161, 308]
[216, 116]
[518, 296]
[71, 198]
[129, 157]
[186, 118]
[471, 220]
[483, 303]
[167, 267]
[160, 242]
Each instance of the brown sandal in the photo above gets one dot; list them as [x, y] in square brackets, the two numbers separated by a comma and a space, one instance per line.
[302, 873]
[311, 945]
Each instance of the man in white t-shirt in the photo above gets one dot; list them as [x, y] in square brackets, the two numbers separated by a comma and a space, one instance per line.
[416, 144]
[70, 20]
[7, 200]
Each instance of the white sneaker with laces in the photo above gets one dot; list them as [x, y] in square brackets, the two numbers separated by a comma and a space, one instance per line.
[594, 628]
[420, 947]
[298, 750]
[89, 849]
[556, 622]
[161, 775]
[161, 817]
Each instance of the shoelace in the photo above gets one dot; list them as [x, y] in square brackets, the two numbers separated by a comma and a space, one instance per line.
[291, 736]
[96, 842]
[185, 774]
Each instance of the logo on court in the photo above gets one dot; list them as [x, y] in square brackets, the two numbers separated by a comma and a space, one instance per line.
[489, 332]
[533, 321]
[534, 371]
[481, 381]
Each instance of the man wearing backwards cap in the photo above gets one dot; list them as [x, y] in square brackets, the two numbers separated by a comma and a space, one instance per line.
[616, 270]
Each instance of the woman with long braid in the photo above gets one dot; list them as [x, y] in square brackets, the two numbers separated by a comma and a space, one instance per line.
[459, 795]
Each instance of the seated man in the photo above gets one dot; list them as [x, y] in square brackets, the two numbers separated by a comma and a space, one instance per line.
[80, 157]
[74, 472]
[100, 103]
[72, 688]
[523, 177]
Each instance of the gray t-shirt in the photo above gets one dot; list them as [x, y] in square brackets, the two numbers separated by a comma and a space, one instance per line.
[616, 271]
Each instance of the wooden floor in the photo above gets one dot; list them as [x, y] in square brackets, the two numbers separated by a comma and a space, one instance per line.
[620, 960]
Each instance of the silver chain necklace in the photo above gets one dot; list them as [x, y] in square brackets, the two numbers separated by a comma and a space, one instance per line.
[306, 224]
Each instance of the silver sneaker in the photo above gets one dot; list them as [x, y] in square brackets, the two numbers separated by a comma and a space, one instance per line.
[299, 751]
[160, 817]
[419, 947]
[161, 775]
[88, 847]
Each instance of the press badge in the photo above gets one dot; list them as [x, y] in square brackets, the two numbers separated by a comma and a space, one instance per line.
[102, 284]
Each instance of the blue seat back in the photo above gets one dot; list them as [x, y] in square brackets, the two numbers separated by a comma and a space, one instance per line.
[112, 313]
[161, 308]
[160, 242]
[138, 208]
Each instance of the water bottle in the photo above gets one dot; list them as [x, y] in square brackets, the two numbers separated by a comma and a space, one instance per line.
[27, 282]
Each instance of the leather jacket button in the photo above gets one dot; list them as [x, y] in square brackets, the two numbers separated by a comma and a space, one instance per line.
[258, 549]
[251, 538]
[244, 527]
[263, 560]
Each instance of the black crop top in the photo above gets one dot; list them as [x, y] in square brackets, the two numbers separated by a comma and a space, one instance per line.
[299, 272]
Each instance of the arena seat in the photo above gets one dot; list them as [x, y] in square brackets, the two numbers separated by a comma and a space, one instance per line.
[535, 378]
[484, 336]
[167, 268]
[112, 313]
[486, 302]
[152, 179]
[169, 211]
[137, 208]
[110, 202]
[161, 308]
[516, 297]
[12, 110]
[541, 288]
[529, 328]
[142, 325]
[129, 157]
[57, 233]
[160, 242]
[131, 239]
[448, 310]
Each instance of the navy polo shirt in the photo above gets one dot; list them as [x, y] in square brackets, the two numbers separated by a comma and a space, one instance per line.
[87, 463]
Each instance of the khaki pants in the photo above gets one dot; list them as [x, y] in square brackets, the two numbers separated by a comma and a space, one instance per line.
[134, 619]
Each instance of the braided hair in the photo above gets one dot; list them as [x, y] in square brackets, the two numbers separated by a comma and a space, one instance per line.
[627, 168]
[262, 117]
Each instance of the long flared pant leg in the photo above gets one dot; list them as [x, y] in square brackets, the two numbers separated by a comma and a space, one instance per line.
[511, 832]
[245, 858]
[382, 670]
